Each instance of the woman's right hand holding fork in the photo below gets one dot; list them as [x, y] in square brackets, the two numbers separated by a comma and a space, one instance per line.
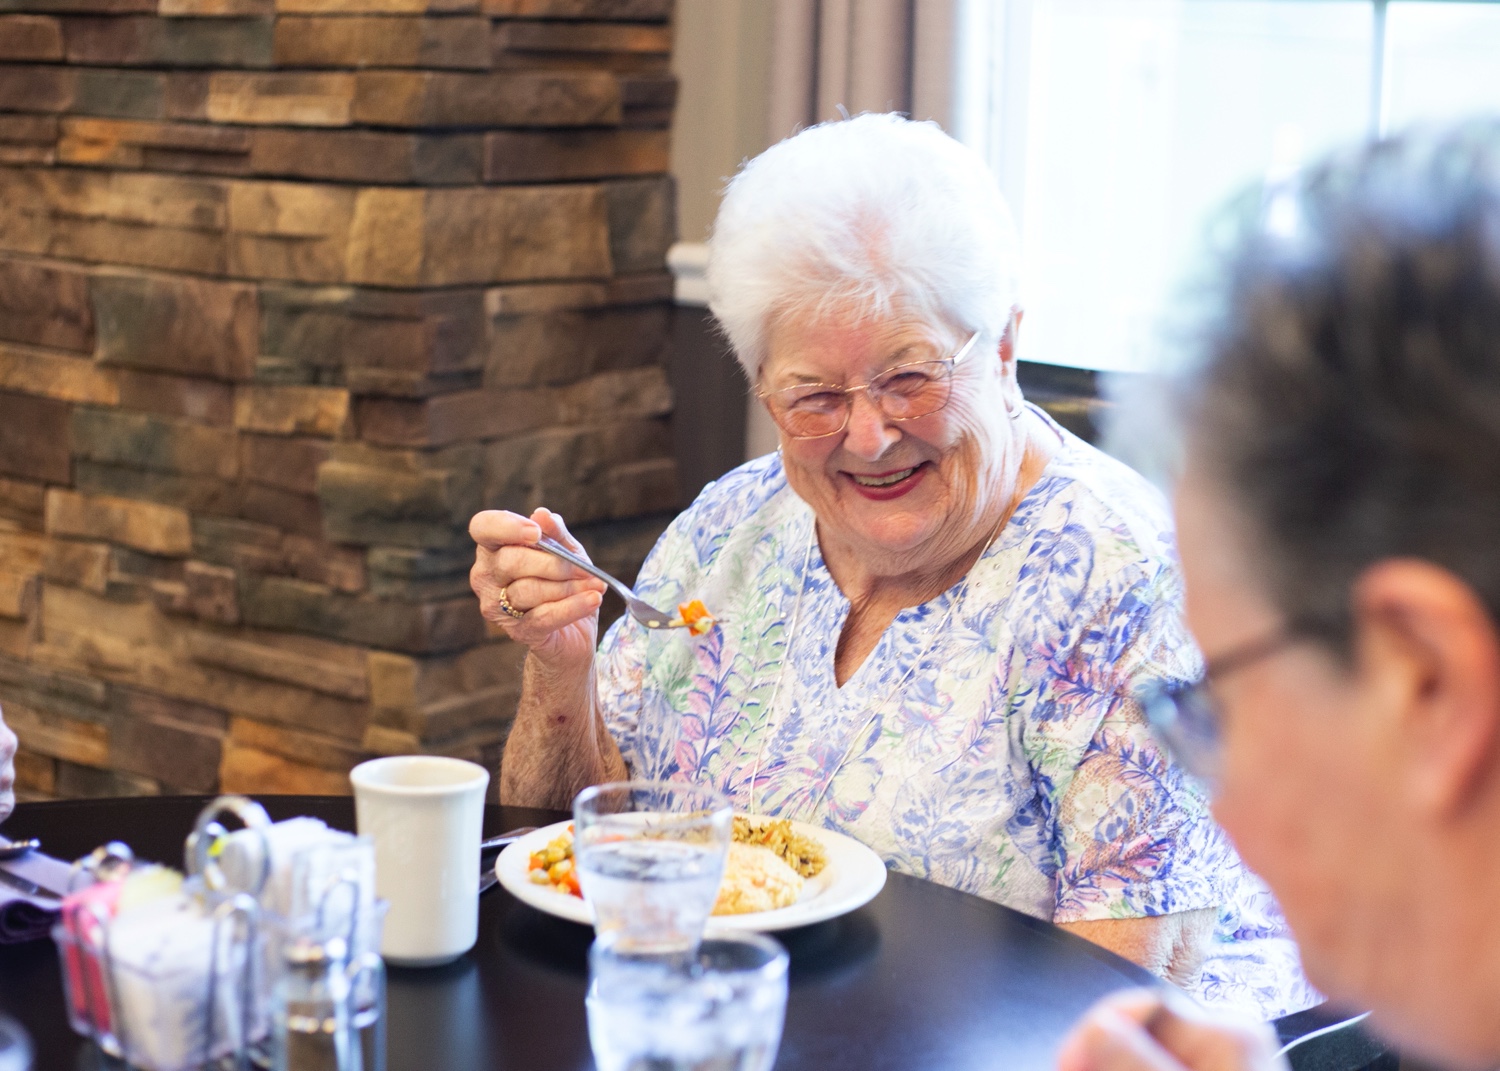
[536, 598]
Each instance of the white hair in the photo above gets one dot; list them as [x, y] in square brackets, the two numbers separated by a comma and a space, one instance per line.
[876, 213]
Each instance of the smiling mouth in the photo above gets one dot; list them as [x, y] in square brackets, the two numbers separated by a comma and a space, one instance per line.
[889, 479]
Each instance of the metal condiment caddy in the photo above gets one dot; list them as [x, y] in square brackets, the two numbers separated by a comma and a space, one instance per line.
[183, 980]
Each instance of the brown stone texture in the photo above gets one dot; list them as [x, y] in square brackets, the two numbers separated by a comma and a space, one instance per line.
[543, 156]
[151, 41]
[511, 98]
[26, 88]
[382, 41]
[300, 99]
[30, 37]
[289, 289]
[34, 438]
[47, 306]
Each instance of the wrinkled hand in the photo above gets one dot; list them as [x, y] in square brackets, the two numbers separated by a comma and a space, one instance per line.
[1150, 1030]
[7, 770]
[559, 602]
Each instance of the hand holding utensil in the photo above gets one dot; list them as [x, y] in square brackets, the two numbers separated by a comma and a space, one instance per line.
[641, 610]
[552, 610]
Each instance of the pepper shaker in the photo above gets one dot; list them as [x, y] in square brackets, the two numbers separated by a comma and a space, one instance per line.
[310, 1009]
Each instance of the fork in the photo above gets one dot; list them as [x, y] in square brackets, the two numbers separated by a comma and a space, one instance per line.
[641, 610]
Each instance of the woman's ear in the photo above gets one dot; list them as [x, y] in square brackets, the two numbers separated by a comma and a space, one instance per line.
[1428, 647]
[1010, 337]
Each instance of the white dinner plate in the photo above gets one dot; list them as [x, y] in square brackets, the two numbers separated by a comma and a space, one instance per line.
[851, 879]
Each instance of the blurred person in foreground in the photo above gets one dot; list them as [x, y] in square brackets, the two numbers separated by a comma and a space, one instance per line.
[1339, 524]
[933, 602]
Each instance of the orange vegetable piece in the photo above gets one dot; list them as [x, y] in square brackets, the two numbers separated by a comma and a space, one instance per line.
[695, 616]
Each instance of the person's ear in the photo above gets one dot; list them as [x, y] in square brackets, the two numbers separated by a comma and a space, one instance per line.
[1428, 645]
[1009, 338]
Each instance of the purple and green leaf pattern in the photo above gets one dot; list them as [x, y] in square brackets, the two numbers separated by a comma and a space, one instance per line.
[988, 742]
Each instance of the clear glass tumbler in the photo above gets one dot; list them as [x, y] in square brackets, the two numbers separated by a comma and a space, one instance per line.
[720, 1008]
[650, 858]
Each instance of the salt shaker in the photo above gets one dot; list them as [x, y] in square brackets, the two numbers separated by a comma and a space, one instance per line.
[310, 1009]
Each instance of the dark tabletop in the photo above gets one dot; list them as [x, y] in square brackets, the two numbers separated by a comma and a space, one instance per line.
[921, 977]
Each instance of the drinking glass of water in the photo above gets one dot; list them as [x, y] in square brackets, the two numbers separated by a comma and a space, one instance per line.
[719, 1008]
[650, 857]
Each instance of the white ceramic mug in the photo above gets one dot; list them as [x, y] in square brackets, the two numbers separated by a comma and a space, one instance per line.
[424, 813]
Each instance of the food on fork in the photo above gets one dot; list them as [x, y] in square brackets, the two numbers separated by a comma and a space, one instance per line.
[694, 616]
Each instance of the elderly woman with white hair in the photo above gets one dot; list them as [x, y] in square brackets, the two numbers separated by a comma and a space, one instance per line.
[933, 603]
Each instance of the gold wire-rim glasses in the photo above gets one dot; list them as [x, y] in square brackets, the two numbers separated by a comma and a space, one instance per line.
[780, 410]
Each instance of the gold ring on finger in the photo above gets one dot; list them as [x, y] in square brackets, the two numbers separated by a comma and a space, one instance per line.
[508, 608]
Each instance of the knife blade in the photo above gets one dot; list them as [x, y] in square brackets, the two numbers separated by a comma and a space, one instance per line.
[27, 886]
[505, 838]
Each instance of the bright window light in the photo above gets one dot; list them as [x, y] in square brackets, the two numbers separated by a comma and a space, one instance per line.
[1118, 126]
[1442, 61]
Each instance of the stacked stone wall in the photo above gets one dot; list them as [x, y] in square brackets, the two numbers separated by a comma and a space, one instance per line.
[288, 290]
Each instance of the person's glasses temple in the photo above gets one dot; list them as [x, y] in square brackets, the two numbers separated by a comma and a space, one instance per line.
[969, 345]
[1296, 630]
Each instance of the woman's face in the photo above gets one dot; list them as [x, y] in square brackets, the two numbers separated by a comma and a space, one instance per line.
[902, 495]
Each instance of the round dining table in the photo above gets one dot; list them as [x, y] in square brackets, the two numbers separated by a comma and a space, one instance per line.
[921, 977]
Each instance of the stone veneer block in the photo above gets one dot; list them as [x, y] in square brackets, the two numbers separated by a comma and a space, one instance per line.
[140, 525]
[622, 10]
[382, 41]
[30, 37]
[46, 306]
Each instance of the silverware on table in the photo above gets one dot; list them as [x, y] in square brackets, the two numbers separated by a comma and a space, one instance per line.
[505, 838]
[487, 878]
[10, 849]
[641, 610]
[27, 886]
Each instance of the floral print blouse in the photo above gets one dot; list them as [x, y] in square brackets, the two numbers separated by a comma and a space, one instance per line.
[987, 742]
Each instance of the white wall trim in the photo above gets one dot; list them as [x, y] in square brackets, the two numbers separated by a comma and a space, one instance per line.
[689, 264]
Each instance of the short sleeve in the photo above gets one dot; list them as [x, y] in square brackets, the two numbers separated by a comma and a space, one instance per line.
[1133, 835]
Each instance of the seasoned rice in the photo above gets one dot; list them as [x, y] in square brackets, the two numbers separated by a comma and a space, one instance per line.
[803, 854]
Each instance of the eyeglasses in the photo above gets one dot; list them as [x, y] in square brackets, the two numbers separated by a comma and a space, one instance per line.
[905, 392]
[1189, 721]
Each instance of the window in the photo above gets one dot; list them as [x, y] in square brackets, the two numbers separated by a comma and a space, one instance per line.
[1117, 126]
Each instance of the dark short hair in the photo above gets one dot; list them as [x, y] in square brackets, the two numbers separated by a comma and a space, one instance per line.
[1349, 397]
